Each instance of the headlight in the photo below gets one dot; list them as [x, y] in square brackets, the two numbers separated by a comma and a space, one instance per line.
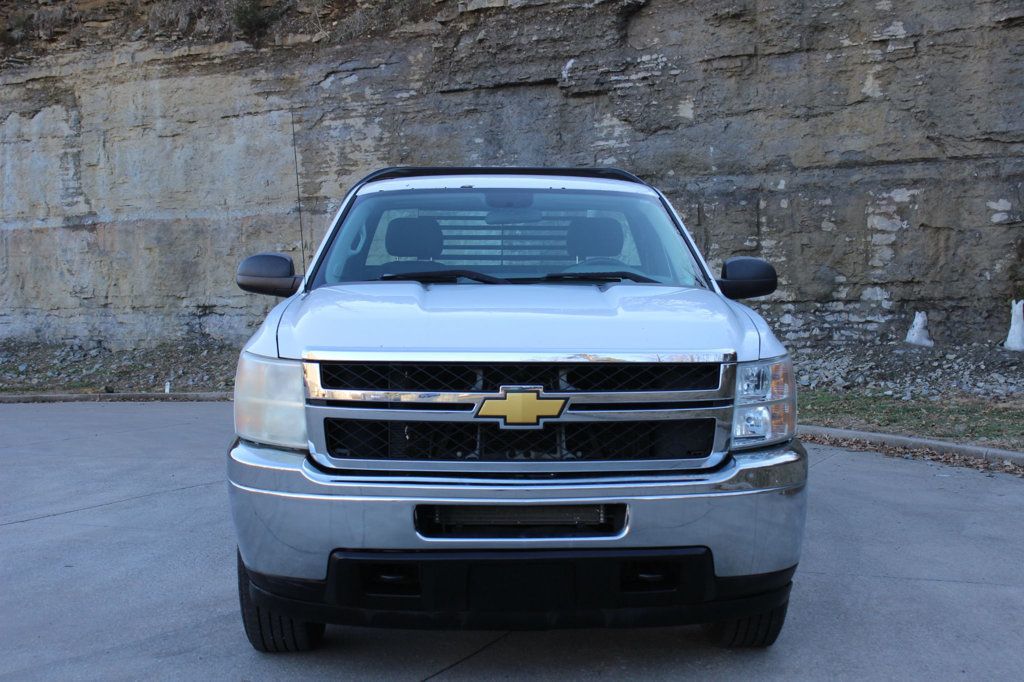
[765, 403]
[270, 401]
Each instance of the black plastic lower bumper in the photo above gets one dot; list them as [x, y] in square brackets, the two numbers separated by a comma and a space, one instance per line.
[522, 589]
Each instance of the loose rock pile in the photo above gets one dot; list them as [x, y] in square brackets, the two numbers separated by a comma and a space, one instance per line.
[889, 367]
[894, 368]
[196, 365]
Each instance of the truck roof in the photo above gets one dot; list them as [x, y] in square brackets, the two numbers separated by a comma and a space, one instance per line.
[428, 171]
[437, 177]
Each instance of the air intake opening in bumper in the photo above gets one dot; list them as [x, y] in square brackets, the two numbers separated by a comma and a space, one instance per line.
[520, 521]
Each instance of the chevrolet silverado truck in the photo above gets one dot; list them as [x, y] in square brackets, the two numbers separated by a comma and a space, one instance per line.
[513, 398]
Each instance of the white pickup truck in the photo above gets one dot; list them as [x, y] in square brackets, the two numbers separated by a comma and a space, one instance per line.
[513, 397]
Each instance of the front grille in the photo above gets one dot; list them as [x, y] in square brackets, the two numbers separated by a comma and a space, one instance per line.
[562, 377]
[573, 441]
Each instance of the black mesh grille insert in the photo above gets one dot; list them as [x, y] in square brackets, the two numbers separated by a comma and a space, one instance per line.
[591, 376]
[462, 441]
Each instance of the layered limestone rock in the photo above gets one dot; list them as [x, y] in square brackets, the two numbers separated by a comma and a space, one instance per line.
[873, 151]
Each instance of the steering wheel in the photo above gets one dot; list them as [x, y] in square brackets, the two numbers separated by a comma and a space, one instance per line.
[611, 263]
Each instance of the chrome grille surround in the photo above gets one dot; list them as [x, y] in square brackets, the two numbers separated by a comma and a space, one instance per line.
[439, 406]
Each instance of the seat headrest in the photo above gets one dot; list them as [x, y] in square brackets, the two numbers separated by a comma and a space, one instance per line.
[417, 237]
[594, 237]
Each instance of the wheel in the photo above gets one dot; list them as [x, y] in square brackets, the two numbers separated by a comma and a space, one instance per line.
[757, 631]
[272, 632]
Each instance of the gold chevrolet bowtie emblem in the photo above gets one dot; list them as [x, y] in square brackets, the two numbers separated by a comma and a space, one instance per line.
[521, 407]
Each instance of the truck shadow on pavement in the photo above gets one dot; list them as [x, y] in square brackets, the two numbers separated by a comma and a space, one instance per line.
[419, 654]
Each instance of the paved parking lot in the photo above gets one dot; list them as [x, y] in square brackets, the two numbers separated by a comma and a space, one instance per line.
[117, 562]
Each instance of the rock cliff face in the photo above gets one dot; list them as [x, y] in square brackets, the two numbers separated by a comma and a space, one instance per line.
[872, 150]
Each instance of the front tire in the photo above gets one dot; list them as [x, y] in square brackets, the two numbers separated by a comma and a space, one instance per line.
[272, 632]
[759, 630]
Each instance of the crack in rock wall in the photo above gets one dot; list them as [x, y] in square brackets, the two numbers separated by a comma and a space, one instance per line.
[873, 151]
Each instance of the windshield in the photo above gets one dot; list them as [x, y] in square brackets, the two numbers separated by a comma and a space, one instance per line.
[508, 236]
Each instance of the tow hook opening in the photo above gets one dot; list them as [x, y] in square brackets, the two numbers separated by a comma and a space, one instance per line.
[387, 579]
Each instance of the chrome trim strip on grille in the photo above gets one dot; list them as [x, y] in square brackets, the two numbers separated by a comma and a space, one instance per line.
[412, 356]
[316, 391]
[467, 416]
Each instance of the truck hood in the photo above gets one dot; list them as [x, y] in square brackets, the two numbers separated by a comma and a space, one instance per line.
[541, 318]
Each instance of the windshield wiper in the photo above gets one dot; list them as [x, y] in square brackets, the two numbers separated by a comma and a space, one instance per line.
[616, 276]
[444, 276]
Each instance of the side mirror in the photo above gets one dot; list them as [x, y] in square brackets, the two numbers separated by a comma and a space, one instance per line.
[746, 277]
[268, 273]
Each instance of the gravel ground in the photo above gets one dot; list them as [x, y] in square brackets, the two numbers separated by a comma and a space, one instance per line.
[889, 368]
[893, 368]
[194, 365]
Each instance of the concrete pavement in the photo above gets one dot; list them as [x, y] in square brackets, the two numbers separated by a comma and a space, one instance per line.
[117, 562]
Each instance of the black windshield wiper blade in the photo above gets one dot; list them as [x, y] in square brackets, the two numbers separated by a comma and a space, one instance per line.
[616, 276]
[444, 276]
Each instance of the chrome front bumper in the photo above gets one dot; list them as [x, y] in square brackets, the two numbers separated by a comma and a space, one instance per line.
[290, 516]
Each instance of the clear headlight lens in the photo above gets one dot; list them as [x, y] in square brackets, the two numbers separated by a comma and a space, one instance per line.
[270, 401]
[765, 403]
